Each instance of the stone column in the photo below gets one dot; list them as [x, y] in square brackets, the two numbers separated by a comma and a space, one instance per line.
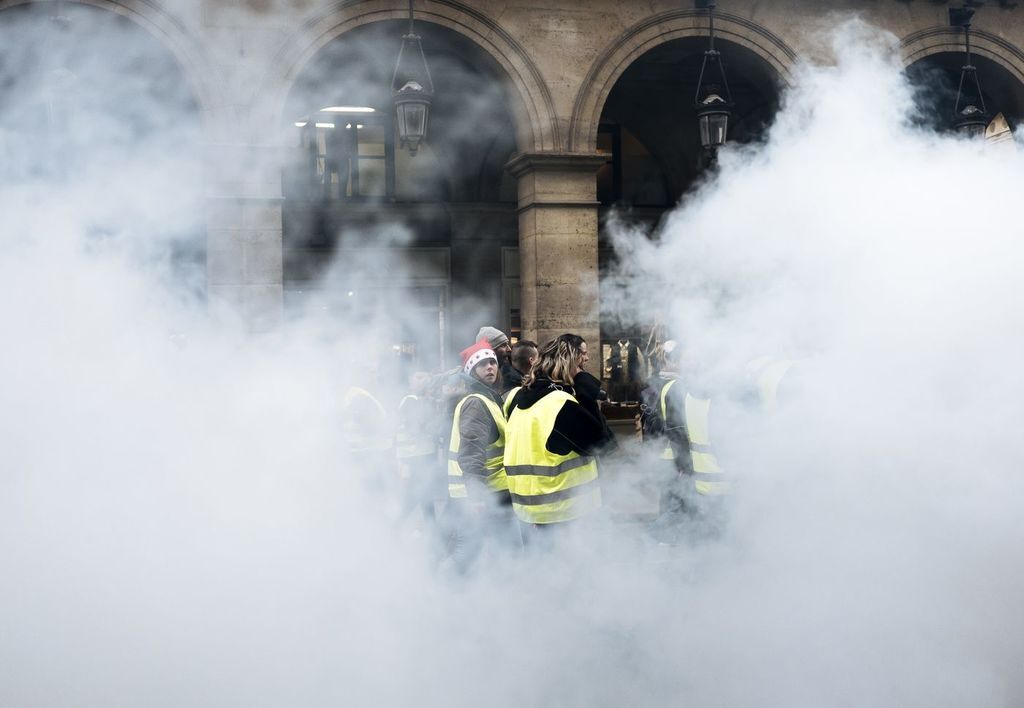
[558, 244]
[243, 234]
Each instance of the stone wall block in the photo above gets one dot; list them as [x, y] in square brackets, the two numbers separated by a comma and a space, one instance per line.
[225, 257]
[564, 187]
[565, 259]
[263, 257]
[565, 220]
[260, 215]
[223, 214]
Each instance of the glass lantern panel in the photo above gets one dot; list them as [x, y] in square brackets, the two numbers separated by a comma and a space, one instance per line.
[713, 129]
[412, 120]
[719, 128]
[972, 130]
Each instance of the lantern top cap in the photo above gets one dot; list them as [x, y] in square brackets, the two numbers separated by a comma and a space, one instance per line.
[411, 86]
[973, 114]
[712, 99]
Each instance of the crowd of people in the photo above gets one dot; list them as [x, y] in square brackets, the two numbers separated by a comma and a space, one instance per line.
[505, 451]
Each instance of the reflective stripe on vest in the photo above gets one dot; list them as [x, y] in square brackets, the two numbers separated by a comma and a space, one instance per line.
[668, 453]
[707, 474]
[494, 465]
[768, 383]
[546, 488]
[365, 434]
[412, 443]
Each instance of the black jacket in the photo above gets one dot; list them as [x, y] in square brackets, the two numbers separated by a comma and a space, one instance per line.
[510, 377]
[669, 429]
[576, 429]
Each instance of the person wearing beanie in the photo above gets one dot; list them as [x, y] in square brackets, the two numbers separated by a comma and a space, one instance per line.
[497, 339]
[674, 421]
[477, 485]
[509, 378]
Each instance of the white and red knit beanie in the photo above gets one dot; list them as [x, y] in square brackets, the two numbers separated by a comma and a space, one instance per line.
[471, 356]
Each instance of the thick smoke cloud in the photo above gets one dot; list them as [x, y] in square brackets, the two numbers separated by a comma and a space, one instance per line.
[180, 523]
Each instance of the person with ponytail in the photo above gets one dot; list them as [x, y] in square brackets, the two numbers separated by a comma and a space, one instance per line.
[552, 437]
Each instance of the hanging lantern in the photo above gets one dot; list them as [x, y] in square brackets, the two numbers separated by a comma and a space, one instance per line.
[970, 120]
[713, 120]
[413, 90]
[713, 110]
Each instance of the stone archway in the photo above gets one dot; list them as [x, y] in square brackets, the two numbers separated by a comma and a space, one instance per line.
[195, 65]
[348, 185]
[100, 112]
[651, 33]
[939, 40]
[648, 132]
[537, 126]
[933, 58]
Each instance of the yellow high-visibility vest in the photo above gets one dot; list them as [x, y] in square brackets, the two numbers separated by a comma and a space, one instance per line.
[494, 464]
[546, 488]
[412, 443]
[365, 434]
[707, 474]
[768, 374]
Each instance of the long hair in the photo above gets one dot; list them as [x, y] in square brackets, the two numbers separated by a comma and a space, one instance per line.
[557, 360]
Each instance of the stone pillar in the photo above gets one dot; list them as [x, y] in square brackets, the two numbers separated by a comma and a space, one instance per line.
[558, 244]
[243, 234]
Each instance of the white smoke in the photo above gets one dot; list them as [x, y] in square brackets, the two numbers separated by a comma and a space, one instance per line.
[877, 509]
[180, 523]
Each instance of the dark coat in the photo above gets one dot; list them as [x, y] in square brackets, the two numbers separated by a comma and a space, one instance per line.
[510, 377]
[670, 429]
[576, 429]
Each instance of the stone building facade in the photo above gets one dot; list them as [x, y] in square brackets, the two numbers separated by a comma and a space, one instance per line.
[593, 109]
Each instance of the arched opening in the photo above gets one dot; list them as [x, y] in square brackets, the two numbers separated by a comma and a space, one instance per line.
[447, 214]
[648, 130]
[936, 78]
[97, 113]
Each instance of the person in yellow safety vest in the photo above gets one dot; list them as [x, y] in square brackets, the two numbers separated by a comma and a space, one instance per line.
[364, 421]
[551, 440]
[477, 486]
[477, 442]
[766, 374]
[368, 437]
[416, 448]
[678, 420]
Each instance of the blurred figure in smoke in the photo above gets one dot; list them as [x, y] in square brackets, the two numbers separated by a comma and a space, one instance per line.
[416, 449]
[677, 421]
[367, 431]
[551, 439]
[766, 375]
[340, 146]
[508, 377]
[477, 484]
[310, 159]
